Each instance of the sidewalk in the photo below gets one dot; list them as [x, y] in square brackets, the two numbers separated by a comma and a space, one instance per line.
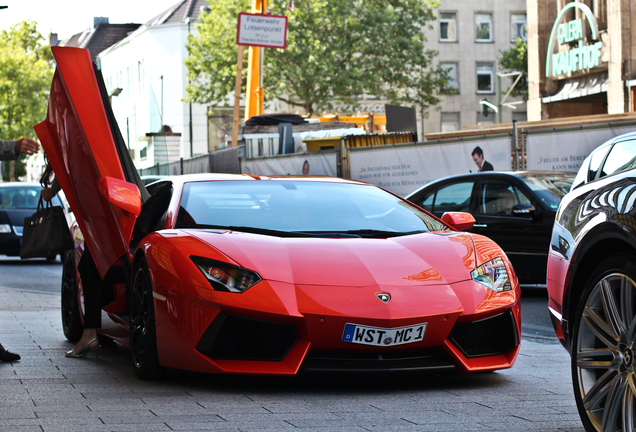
[47, 392]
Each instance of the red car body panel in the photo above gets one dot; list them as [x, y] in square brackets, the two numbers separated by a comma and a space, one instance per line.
[316, 285]
[75, 118]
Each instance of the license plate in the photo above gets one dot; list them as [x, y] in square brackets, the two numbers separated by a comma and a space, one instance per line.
[377, 336]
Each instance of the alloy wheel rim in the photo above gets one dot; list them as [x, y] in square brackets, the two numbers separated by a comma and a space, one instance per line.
[605, 354]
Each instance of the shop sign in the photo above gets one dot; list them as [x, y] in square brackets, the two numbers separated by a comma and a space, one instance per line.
[584, 54]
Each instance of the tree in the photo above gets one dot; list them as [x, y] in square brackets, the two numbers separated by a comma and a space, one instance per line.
[516, 60]
[336, 50]
[26, 70]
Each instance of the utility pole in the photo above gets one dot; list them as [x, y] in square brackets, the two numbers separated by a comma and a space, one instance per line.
[255, 93]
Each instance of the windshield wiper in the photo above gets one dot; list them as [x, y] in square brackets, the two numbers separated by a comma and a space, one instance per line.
[251, 230]
[381, 233]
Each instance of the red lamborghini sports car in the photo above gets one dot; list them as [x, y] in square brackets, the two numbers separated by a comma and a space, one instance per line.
[225, 273]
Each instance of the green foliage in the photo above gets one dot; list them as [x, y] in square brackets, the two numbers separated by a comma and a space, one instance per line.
[336, 50]
[26, 70]
[516, 60]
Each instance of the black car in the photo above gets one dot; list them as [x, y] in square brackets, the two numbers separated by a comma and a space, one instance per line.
[515, 209]
[18, 201]
[592, 297]
[612, 157]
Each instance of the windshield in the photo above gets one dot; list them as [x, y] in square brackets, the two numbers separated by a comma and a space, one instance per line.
[550, 188]
[25, 198]
[300, 207]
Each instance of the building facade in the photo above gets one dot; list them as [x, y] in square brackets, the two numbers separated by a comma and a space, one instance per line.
[469, 37]
[582, 57]
[146, 79]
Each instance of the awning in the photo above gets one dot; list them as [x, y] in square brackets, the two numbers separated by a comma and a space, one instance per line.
[579, 87]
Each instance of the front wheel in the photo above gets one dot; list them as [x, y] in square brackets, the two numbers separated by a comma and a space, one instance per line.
[71, 321]
[143, 336]
[604, 346]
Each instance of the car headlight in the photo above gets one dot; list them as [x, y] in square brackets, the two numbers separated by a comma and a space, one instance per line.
[5, 228]
[226, 277]
[492, 274]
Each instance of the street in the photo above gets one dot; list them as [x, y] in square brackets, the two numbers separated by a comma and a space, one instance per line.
[47, 392]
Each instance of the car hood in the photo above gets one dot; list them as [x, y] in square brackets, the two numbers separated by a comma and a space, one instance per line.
[82, 142]
[421, 259]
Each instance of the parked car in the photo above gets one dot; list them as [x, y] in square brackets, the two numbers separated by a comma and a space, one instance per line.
[592, 297]
[17, 201]
[515, 209]
[226, 273]
[612, 157]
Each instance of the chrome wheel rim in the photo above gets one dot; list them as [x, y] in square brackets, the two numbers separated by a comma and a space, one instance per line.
[605, 353]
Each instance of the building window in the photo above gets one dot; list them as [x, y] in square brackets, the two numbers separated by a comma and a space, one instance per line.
[485, 78]
[447, 27]
[518, 27]
[483, 120]
[452, 85]
[450, 122]
[483, 27]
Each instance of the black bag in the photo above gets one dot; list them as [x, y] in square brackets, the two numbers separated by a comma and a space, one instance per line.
[46, 233]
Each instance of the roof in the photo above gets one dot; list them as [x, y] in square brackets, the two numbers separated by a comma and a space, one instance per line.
[99, 38]
[176, 14]
[179, 12]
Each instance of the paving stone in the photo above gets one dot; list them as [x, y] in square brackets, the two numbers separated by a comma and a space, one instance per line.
[49, 392]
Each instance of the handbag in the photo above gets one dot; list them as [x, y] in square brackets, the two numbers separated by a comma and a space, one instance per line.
[46, 233]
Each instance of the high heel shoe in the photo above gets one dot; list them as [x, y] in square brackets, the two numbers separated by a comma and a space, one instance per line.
[84, 350]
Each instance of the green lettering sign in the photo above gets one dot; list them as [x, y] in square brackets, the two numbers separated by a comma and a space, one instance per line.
[572, 59]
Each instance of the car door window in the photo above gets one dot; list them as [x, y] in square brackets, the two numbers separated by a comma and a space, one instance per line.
[498, 197]
[621, 158]
[424, 200]
[453, 197]
[596, 160]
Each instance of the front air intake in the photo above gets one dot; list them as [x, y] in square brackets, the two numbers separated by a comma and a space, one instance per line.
[232, 337]
[485, 337]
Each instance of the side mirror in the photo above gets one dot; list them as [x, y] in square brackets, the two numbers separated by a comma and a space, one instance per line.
[523, 210]
[460, 221]
[121, 194]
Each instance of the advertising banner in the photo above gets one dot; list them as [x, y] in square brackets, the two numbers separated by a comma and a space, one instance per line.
[405, 168]
[323, 163]
[565, 150]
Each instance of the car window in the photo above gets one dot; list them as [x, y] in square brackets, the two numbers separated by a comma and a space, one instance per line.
[498, 197]
[621, 157]
[582, 174]
[22, 197]
[424, 200]
[299, 206]
[596, 159]
[454, 197]
[549, 188]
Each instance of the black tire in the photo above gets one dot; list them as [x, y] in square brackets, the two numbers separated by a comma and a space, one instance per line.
[603, 347]
[143, 335]
[71, 321]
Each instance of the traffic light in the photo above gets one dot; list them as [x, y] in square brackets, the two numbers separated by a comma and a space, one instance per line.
[484, 108]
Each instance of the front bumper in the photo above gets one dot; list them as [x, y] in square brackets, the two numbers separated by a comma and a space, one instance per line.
[280, 329]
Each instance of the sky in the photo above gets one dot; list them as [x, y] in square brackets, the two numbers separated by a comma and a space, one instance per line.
[68, 17]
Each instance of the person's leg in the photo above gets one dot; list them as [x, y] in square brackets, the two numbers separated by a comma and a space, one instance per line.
[92, 284]
[7, 356]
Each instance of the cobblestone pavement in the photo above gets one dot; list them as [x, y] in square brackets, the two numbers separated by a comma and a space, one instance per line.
[47, 392]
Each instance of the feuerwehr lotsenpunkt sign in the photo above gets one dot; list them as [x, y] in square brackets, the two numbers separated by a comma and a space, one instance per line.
[585, 54]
